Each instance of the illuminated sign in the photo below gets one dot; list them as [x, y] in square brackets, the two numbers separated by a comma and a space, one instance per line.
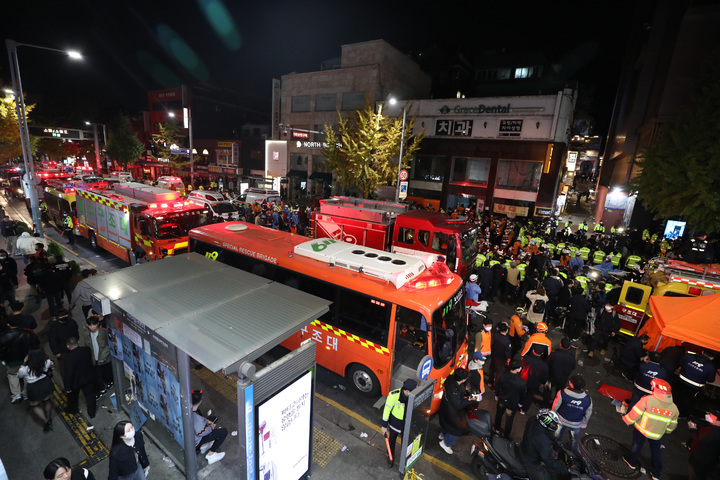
[455, 128]
[479, 110]
[296, 134]
[510, 128]
[572, 161]
[65, 133]
[510, 209]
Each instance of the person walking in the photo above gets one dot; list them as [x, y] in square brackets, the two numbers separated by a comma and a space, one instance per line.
[128, 458]
[60, 469]
[483, 338]
[476, 377]
[60, 331]
[14, 346]
[453, 410]
[37, 372]
[95, 337]
[509, 390]
[26, 321]
[8, 228]
[208, 436]
[653, 416]
[574, 408]
[393, 418]
[82, 294]
[79, 375]
[63, 274]
[24, 245]
[561, 364]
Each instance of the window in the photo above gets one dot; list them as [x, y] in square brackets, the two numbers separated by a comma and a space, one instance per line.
[519, 175]
[428, 168]
[326, 102]
[301, 103]
[470, 170]
[634, 295]
[353, 101]
[410, 337]
[528, 72]
[424, 238]
[363, 316]
[406, 235]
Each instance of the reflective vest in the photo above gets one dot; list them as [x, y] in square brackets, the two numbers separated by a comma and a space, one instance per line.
[582, 280]
[522, 267]
[599, 228]
[609, 286]
[538, 339]
[645, 235]
[612, 229]
[550, 249]
[559, 248]
[653, 238]
[632, 261]
[43, 206]
[563, 275]
[493, 262]
[585, 253]
[652, 417]
[598, 257]
[484, 345]
[572, 249]
[68, 222]
[394, 411]
[583, 227]
[616, 259]
[480, 260]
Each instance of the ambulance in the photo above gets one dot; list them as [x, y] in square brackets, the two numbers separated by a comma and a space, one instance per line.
[664, 277]
[136, 220]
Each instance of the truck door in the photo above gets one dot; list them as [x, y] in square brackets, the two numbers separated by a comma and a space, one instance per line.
[143, 234]
[634, 298]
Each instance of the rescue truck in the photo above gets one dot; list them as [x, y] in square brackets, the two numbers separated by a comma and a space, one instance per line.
[664, 277]
[135, 220]
[393, 227]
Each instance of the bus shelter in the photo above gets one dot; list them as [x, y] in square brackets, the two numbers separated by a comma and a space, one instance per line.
[163, 316]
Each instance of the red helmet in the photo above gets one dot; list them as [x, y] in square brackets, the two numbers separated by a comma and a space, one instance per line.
[660, 384]
[541, 327]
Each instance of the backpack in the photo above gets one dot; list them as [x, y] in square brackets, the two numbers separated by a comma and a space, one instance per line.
[539, 306]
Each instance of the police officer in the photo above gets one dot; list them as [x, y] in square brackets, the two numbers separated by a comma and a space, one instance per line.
[393, 419]
[698, 250]
[68, 227]
[695, 372]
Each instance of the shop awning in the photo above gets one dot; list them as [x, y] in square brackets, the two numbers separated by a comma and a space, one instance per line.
[323, 176]
[302, 174]
[217, 314]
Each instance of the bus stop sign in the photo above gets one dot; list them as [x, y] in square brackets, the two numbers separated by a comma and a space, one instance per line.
[425, 367]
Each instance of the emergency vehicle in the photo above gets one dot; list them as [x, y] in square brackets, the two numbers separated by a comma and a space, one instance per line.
[393, 227]
[135, 220]
[60, 196]
[665, 277]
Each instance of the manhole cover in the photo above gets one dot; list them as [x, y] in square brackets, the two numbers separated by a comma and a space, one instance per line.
[607, 454]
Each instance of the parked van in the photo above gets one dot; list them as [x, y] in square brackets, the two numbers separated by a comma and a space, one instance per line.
[171, 183]
[122, 176]
[252, 195]
[216, 203]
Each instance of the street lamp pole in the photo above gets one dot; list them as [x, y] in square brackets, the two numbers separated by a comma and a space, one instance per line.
[98, 160]
[188, 125]
[402, 145]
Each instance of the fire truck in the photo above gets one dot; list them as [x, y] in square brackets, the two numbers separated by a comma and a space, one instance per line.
[135, 220]
[664, 277]
[393, 227]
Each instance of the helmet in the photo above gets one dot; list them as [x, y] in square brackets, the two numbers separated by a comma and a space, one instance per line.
[548, 419]
[660, 384]
[520, 311]
[473, 278]
[578, 253]
[541, 327]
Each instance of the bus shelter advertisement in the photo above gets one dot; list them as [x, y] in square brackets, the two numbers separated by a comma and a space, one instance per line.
[416, 425]
[283, 428]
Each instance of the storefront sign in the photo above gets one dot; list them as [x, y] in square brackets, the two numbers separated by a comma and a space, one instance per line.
[543, 211]
[455, 128]
[510, 209]
[572, 161]
[479, 110]
[225, 144]
[296, 134]
[510, 128]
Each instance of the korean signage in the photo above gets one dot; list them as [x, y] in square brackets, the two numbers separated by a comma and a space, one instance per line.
[68, 133]
[572, 161]
[455, 128]
[478, 110]
[510, 209]
[296, 134]
[510, 128]
[276, 160]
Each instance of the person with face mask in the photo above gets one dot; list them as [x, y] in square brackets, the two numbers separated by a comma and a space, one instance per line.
[607, 325]
[128, 458]
[393, 419]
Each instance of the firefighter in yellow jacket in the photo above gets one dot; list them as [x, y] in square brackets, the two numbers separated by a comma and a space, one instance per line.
[653, 416]
[393, 419]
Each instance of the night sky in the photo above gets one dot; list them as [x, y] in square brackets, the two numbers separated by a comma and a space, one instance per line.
[237, 47]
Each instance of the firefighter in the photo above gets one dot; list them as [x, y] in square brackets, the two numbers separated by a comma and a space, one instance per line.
[695, 372]
[68, 226]
[393, 419]
[541, 340]
[653, 416]
[517, 330]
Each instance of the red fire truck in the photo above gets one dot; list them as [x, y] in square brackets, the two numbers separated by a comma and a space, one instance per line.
[136, 220]
[392, 227]
[665, 277]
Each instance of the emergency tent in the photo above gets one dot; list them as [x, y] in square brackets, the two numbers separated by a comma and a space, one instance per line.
[675, 320]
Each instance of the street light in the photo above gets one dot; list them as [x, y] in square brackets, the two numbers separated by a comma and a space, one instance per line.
[97, 144]
[30, 184]
[393, 101]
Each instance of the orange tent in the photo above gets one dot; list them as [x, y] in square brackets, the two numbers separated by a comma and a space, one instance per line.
[675, 320]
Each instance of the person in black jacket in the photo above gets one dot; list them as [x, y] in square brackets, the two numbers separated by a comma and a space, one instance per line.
[607, 325]
[9, 265]
[14, 346]
[60, 468]
[79, 375]
[561, 364]
[631, 355]
[453, 410]
[60, 330]
[535, 373]
[510, 390]
[537, 446]
[501, 351]
[705, 448]
[126, 444]
[577, 316]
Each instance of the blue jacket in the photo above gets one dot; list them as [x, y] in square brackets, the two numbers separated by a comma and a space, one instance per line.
[697, 370]
[647, 372]
[573, 408]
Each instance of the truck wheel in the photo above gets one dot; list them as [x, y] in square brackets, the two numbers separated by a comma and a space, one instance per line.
[93, 240]
[363, 380]
[478, 468]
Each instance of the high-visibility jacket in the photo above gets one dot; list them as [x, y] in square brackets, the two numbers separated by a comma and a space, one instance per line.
[585, 253]
[653, 417]
[493, 262]
[550, 248]
[582, 280]
[394, 411]
[616, 259]
[480, 260]
[598, 257]
[572, 249]
[583, 227]
[632, 261]
[538, 339]
[484, 346]
[68, 222]
[612, 229]
[522, 267]
[559, 248]
[645, 235]
[599, 228]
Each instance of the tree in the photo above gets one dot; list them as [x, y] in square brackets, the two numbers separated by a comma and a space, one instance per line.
[363, 151]
[681, 170]
[10, 145]
[123, 144]
[170, 134]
